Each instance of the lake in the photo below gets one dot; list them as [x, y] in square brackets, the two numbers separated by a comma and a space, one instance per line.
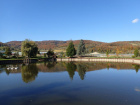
[70, 83]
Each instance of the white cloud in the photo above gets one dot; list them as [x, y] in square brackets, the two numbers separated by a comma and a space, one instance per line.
[135, 20]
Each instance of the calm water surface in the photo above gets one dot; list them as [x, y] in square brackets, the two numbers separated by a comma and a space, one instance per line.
[70, 83]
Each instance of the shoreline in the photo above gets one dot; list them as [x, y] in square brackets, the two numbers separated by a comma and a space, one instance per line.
[123, 60]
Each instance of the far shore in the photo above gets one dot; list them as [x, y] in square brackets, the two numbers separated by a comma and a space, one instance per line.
[125, 60]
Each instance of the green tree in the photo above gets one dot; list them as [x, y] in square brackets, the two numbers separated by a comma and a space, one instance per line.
[107, 53]
[136, 53]
[81, 50]
[1, 55]
[8, 51]
[45, 55]
[61, 54]
[16, 54]
[29, 48]
[70, 51]
[50, 53]
[92, 51]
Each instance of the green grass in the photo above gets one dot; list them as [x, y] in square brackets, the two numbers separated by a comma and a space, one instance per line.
[137, 58]
[19, 58]
[9, 59]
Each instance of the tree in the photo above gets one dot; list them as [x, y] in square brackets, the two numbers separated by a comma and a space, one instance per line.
[117, 52]
[70, 51]
[136, 53]
[45, 55]
[16, 54]
[8, 51]
[50, 53]
[1, 55]
[81, 50]
[107, 53]
[29, 48]
[61, 54]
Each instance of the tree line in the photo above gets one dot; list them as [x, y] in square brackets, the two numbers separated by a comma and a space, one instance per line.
[30, 49]
[91, 46]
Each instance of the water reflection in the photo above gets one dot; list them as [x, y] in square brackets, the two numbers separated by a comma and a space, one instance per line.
[108, 66]
[51, 64]
[92, 84]
[71, 68]
[136, 67]
[81, 70]
[137, 89]
[29, 72]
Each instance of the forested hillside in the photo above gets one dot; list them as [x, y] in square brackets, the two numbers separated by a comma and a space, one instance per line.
[91, 46]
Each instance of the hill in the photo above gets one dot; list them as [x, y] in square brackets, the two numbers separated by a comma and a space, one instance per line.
[91, 46]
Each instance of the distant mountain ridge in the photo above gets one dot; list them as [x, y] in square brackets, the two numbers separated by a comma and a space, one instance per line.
[90, 45]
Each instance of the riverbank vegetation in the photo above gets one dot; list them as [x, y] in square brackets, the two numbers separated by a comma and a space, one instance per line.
[64, 49]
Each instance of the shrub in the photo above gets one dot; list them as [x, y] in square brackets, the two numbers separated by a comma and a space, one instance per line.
[44, 54]
[133, 56]
[136, 52]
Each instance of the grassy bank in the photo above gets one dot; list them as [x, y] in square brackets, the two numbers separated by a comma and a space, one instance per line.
[38, 58]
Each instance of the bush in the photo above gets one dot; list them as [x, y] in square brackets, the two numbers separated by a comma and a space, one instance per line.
[1, 55]
[44, 54]
[4, 57]
[14, 56]
[50, 53]
[133, 56]
[136, 52]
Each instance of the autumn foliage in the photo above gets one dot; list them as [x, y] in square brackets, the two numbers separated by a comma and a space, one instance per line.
[91, 46]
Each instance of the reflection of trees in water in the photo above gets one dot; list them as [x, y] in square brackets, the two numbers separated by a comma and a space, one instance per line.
[136, 67]
[81, 70]
[108, 66]
[2, 66]
[71, 68]
[7, 72]
[29, 72]
[51, 64]
[62, 66]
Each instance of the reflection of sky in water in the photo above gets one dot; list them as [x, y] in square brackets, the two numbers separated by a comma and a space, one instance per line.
[101, 87]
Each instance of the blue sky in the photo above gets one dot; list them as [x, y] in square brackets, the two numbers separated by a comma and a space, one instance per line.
[98, 20]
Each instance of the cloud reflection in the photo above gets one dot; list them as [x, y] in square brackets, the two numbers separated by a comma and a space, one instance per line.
[137, 89]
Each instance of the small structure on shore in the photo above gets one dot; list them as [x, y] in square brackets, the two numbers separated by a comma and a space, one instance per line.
[96, 54]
